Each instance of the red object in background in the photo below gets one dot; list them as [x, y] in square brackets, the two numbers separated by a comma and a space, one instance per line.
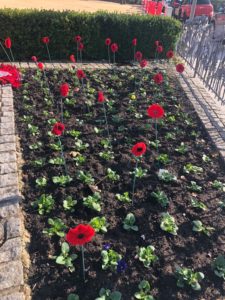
[183, 11]
[81, 46]
[45, 40]
[80, 74]
[143, 63]
[108, 41]
[8, 43]
[138, 56]
[78, 38]
[101, 97]
[134, 42]
[139, 149]
[158, 78]
[80, 235]
[114, 47]
[72, 58]
[40, 66]
[155, 111]
[64, 89]
[180, 68]
[159, 49]
[34, 58]
[58, 129]
[169, 54]
[9, 75]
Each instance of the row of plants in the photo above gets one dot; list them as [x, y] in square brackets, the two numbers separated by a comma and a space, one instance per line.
[111, 177]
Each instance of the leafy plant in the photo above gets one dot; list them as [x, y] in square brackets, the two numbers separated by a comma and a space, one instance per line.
[147, 256]
[199, 227]
[206, 158]
[73, 297]
[80, 145]
[129, 222]
[163, 159]
[62, 180]
[166, 176]
[123, 197]
[139, 172]
[33, 130]
[198, 204]
[55, 146]
[56, 227]
[182, 149]
[45, 204]
[218, 266]
[107, 155]
[85, 177]
[106, 294]
[65, 258]
[144, 290]
[74, 133]
[35, 146]
[194, 187]
[56, 161]
[38, 162]
[155, 144]
[110, 259]
[41, 182]
[218, 185]
[112, 175]
[161, 198]
[190, 168]
[69, 203]
[168, 224]
[188, 277]
[93, 202]
[99, 224]
[79, 159]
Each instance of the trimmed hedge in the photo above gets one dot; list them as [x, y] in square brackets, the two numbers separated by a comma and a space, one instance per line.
[26, 27]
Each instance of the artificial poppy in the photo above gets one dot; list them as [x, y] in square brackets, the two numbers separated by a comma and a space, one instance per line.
[64, 89]
[108, 41]
[134, 42]
[114, 47]
[80, 74]
[77, 38]
[45, 40]
[101, 97]
[138, 56]
[40, 66]
[81, 46]
[8, 43]
[155, 111]
[58, 129]
[80, 235]
[158, 78]
[34, 58]
[180, 68]
[72, 58]
[157, 43]
[169, 54]
[143, 63]
[139, 149]
[159, 49]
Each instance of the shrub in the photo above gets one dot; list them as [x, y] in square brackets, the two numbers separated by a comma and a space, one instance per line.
[26, 27]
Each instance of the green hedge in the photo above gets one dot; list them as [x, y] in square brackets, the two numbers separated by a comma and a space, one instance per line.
[26, 27]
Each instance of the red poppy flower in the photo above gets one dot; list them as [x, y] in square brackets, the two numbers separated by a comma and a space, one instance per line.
[81, 46]
[64, 89]
[34, 58]
[80, 235]
[101, 97]
[155, 111]
[114, 47]
[40, 66]
[139, 149]
[45, 40]
[159, 49]
[78, 38]
[169, 54]
[9, 75]
[72, 58]
[134, 42]
[180, 68]
[8, 43]
[58, 129]
[157, 43]
[158, 78]
[108, 41]
[138, 56]
[80, 74]
[143, 63]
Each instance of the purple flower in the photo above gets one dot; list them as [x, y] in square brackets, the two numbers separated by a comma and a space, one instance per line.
[121, 266]
[106, 246]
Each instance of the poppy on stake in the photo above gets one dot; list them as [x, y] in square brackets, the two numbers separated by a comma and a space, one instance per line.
[108, 43]
[101, 99]
[45, 40]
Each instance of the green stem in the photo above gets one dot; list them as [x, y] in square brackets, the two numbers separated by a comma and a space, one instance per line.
[106, 120]
[156, 135]
[5, 52]
[61, 105]
[109, 54]
[134, 181]
[63, 156]
[48, 53]
[83, 265]
[11, 54]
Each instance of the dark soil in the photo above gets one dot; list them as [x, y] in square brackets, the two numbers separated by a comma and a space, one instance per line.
[189, 249]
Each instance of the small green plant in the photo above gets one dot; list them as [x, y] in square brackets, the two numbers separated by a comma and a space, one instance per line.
[62, 180]
[56, 161]
[206, 158]
[45, 204]
[112, 175]
[166, 176]
[194, 187]
[93, 202]
[33, 130]
[129, 223]
[139, 172]
[99, 224]
[79, 159]
[105, 143]
[73, 297]
[38, 162]
[35, 146]
[182, 149]
[218, 185]
[168, 224]
[65, 258]
[41, 182]
[55, 146]
[110, 259]
[155, 144]
[188, 277]
[161, 198]
[163, 159]
[124, 197]
[218, 266]
[107, 155]
[198, 204]
[106, 294]
[85, 177]
[74, 133]
[69, 203]
[56, 227]
[144, 290]
[80, 145]
[190, 168]
[198, 226]
[147, 256]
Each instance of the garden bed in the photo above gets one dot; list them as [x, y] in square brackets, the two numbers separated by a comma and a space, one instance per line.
[129, 93]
